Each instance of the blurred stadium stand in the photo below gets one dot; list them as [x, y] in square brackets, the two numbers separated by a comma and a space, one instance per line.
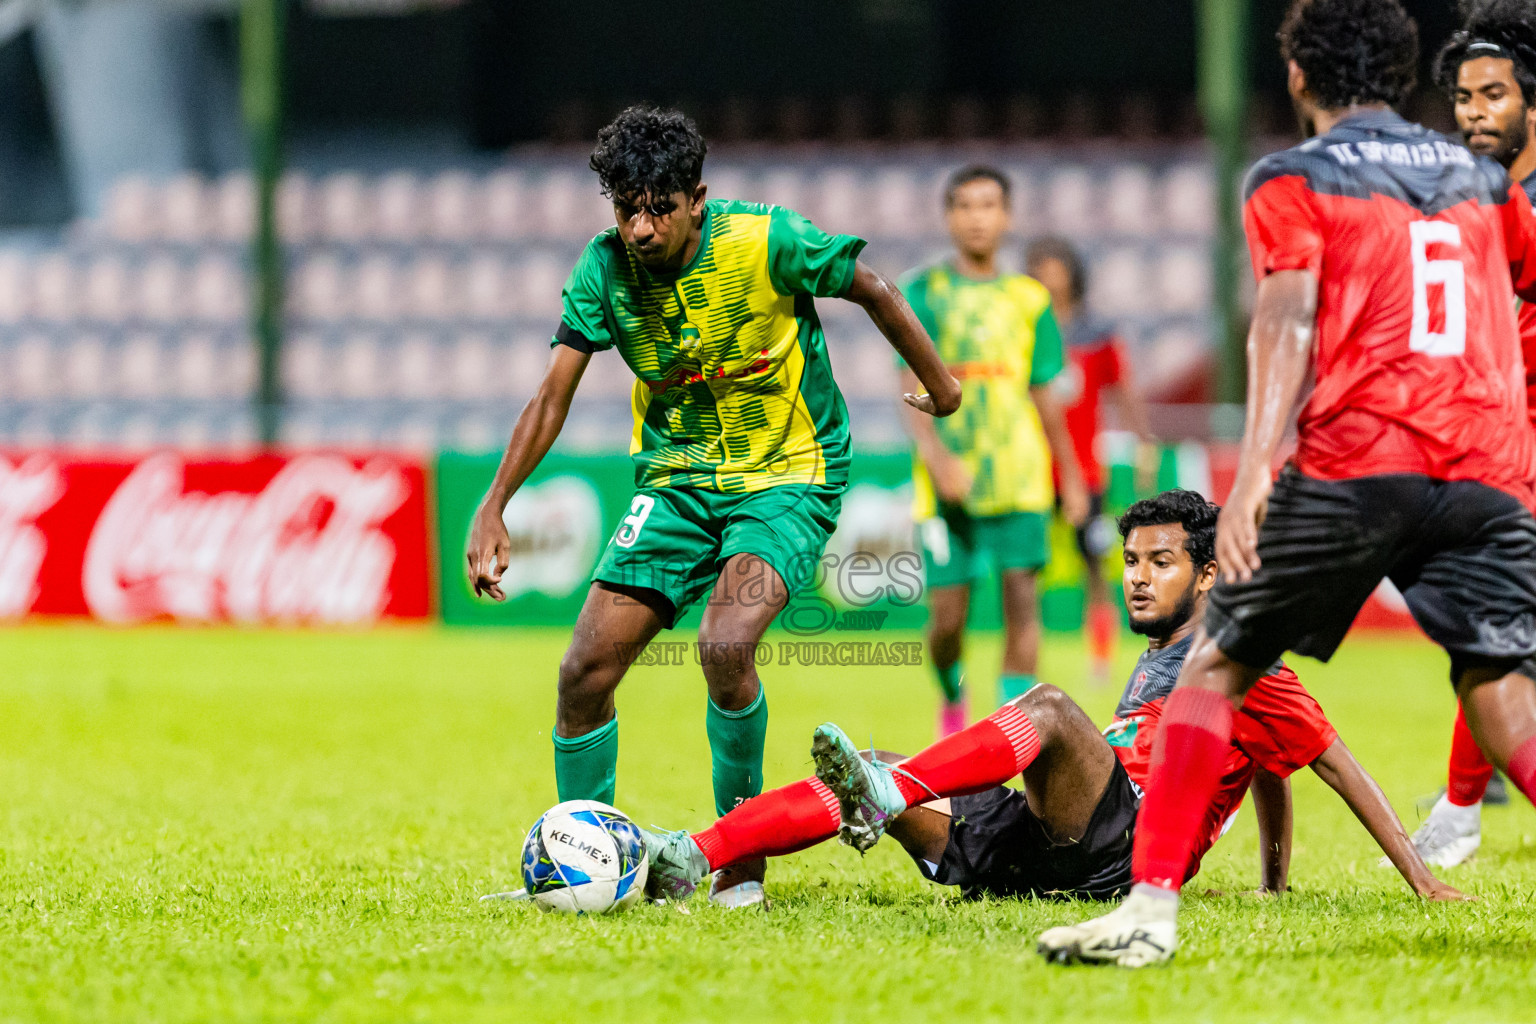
[420, 304]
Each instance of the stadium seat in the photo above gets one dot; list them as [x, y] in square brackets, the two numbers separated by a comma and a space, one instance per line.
[842, 202]
[218, 290]
[54, 288]
[31, 372]
[197, 366]
[377, 294]
[343, 208]
[1130, 200]
[505, 207]
[161, 298]
[1072, 203]
[1118, 286]
[318, 290]
[140, 369]
[1184, 279]
[233, 215]
[15, 287]
[130, 210]
[1189, 200]
[451, 207]
[397, 208]
[415, 370]
[305, 366]
[185, 212]
[358, 366]
[470, 368]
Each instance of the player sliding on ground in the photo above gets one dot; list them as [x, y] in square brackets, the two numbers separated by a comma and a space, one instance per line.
[1068, 833]
[1486, 67]
[740, 441]
[1385, 254]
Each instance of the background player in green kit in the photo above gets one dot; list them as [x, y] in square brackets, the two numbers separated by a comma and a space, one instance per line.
[982, 479]
[740, 441]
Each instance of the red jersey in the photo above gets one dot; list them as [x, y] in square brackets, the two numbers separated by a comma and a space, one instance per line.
[1525, 317]
[1280, 728]
[1095, 361]
[1415, 242]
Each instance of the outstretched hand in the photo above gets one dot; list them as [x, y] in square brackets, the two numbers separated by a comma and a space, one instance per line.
[926, 402]
[1437, 891]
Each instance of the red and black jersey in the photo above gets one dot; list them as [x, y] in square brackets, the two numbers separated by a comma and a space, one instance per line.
[1415, 242]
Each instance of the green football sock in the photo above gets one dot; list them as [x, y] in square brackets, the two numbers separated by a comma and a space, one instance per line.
[949, 681]
[1011, 685]
[736, 751]
[585, 766]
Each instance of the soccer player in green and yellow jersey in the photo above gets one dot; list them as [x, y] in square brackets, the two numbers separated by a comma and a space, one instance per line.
[740, 441]
[983, 477]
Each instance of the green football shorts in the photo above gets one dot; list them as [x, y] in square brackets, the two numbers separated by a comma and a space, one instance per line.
[675, 540]
[958, 547]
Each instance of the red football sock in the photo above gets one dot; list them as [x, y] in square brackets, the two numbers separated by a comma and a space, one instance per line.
[1469, 770]
[772, 824]
[984, 755]
[1522, 769]
[1189, 752]
[1103, 628]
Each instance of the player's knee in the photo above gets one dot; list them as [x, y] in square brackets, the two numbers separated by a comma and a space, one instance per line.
[1044, 704]
[588, 671]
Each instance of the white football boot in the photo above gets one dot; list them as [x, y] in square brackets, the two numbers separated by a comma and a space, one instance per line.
[1141, 931]
[1450, 834]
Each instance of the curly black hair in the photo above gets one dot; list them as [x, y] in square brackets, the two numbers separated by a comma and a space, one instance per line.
[976, 172]
[1352, 51]
[1509, 25]
[1189, 510]
[647, 152]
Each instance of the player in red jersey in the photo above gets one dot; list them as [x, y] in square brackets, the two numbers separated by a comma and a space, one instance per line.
[1385, 255]
[1068, 833]
[1097, 369]
[1486, 68]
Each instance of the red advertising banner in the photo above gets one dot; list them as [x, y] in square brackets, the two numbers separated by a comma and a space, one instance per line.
[302, 538]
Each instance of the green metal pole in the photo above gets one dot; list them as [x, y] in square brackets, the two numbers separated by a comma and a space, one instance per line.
[1224, 105]
[261, 93]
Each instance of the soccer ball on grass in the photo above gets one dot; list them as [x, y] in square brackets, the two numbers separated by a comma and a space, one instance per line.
[584, 857]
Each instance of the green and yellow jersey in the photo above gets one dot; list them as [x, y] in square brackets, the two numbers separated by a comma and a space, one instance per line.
[733, 390]
[999, 338]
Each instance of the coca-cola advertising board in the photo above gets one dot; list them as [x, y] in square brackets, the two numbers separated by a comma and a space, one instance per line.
[301, 538]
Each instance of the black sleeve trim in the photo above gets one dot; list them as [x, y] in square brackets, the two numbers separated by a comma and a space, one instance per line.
[566, 335]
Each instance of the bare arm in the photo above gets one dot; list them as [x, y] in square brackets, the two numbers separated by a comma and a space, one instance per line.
[888, 308]
[537, 427]
[1279, 350]
[951, 480]
[1272, 806]
[1338, 767]
[1074, 492]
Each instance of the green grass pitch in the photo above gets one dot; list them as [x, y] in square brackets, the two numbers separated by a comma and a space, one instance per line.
[228, 826]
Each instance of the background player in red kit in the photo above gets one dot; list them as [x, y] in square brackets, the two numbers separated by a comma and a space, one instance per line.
[1385, 254]
[1097, 369]
[1068, 832]
[1486, 68]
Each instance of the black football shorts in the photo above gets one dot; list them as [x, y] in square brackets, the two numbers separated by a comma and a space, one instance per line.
[997, 847]
[1462, 553]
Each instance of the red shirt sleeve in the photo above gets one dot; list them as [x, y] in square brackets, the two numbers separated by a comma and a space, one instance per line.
[1114, 362]
[1281, 726]
[1520, 241]
[1283, 228]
